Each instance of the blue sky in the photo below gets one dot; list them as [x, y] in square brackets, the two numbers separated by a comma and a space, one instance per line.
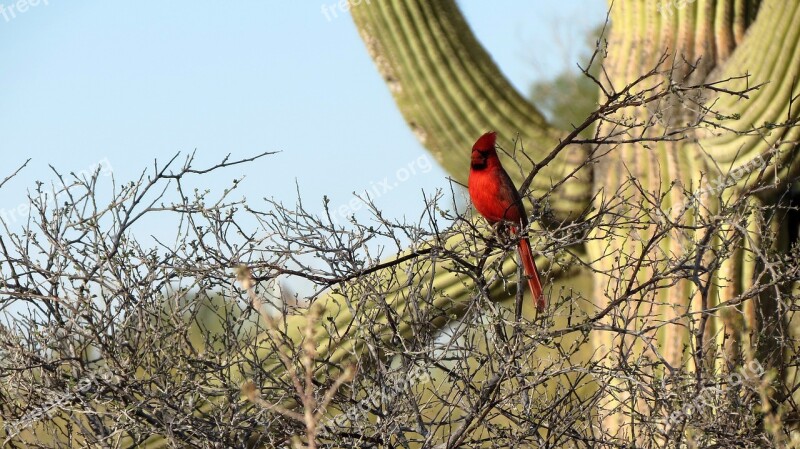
[121, 84]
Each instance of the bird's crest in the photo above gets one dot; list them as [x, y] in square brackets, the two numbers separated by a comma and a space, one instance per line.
[486, 141]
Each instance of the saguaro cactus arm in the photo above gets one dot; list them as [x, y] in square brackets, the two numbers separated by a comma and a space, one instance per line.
[774, 104]
[450, 91]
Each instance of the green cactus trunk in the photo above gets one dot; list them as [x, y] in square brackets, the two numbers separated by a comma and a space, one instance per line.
[450, 91]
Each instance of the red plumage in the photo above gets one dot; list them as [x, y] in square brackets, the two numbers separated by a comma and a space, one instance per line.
[494, 196]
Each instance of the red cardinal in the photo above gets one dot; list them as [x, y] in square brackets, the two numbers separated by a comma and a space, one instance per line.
[496, 198]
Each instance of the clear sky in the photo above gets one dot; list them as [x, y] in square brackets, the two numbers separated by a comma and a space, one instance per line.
[123, 83]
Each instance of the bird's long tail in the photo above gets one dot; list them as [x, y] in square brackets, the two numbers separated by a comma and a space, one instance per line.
[531, 273]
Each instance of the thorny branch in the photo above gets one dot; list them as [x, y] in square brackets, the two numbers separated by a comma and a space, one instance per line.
[110, 342]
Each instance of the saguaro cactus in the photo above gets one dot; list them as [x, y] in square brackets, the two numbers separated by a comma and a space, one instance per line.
[672, 201]
[450, 91]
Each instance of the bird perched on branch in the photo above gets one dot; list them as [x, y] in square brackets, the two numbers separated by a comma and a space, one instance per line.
[496, 198]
